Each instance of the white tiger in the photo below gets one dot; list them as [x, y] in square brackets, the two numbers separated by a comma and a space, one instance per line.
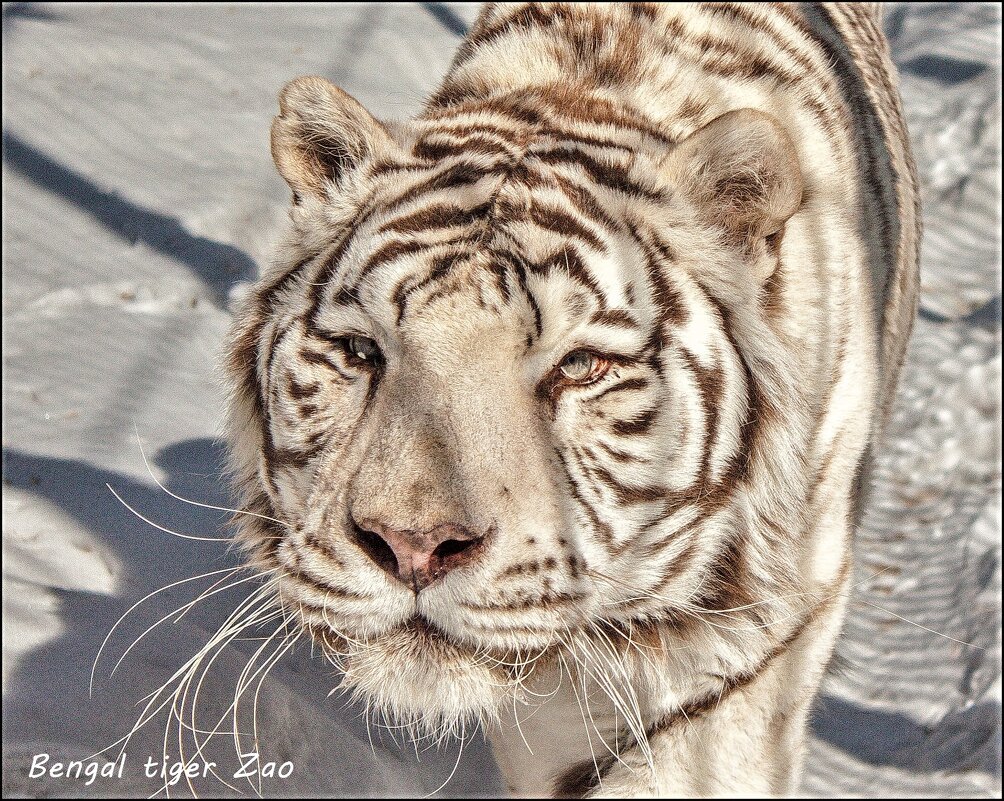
[562, 390]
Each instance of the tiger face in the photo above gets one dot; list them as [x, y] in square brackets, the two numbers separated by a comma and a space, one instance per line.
[502, 384]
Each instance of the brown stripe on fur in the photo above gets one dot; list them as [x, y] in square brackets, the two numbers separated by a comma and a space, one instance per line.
[472, 144]
[441, 265]
[266, 295]
[322, 360]
[459, 129]
[566, 261]
[730, 583]
[559, 222]
[276, 457]
[703, 704]
[396, 249]
[615, 317]
[326, 276]
[620, 456]
[779, 41]
[586, 204]
[524, 18]
[452, 177]
[719, 57]
[300, 391]
[628, 496]
[710, 386]
[545, 601]
[606, 174]
[515, 268]
[583, 777]
[439, 215]
[302, 577]
[658, 254]
[312, 541]
[600, 527]
[627, 385]
[520, 569]
[639, 425]
[867, 118]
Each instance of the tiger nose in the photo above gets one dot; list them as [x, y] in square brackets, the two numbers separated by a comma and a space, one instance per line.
[418, 558]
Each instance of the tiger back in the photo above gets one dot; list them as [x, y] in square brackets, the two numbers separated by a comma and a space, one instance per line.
[562, 390]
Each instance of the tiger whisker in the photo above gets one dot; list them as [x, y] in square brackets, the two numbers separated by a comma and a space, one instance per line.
[582, 714]
[145, 716]
[159, 527]
[183, 610]
[145, 598]
[463, 742]
[199, 503]
[584, 673]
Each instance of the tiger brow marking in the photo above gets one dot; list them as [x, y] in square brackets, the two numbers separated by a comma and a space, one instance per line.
[453, 176]
[398, 248]
[327, 272]
[618, 318]
[441, 266]
[509, 267]
[569, 260]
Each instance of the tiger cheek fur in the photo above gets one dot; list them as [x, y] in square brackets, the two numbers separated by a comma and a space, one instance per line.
[562, 390]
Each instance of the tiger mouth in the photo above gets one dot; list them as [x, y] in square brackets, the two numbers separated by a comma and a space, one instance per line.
[423, 629]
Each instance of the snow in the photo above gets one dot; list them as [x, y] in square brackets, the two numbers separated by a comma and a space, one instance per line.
[139, 198]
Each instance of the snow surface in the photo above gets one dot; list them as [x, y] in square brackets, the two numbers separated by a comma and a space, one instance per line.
[139, 196]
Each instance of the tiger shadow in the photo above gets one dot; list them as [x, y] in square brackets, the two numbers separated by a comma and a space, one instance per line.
[47, 707]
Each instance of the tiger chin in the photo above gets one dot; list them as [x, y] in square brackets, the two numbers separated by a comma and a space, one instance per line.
[553, 412]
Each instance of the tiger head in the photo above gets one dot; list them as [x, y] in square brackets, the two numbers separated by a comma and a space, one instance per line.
[503, 383]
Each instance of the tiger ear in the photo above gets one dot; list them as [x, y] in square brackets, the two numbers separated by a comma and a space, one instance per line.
[322, 134]
[742, 170]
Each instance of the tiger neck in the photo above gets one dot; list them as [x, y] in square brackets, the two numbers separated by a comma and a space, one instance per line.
[535, 745]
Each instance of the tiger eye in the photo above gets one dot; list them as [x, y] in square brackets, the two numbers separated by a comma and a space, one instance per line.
[364, 349]
[578, 365]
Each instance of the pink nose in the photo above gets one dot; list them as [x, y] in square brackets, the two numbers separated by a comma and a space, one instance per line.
[418, 558]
